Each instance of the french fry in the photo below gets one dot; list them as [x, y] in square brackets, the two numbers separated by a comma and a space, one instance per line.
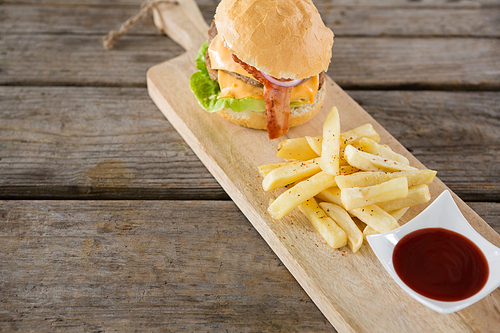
[331, 194]
[295, 149]
[367, 178]
[370, 162]
[290, 173]
[370, 146]
[342, 218]
[376, 218]
[343, 162]
[351, 137]
[347, 169]
[265, 169]
[364, 131]
[315, 142]
[355, 197]
[334, 235]
[302, 191]
[416, 195]
[398, 213]
[330, 147]
[364, 187]
[367, 231]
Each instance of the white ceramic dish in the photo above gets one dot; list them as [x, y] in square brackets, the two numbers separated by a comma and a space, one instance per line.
[442, 213]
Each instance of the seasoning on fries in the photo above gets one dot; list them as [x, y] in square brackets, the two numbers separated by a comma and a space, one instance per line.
[347, 184]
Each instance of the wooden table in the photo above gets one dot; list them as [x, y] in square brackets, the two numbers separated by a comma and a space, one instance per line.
[109, 221]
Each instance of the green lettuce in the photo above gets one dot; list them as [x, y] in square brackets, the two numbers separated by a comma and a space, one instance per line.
[206, 90]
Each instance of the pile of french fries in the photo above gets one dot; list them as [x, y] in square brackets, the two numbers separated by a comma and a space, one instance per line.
[346, 184]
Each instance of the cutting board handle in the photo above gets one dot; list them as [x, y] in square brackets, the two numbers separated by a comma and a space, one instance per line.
[183, 22]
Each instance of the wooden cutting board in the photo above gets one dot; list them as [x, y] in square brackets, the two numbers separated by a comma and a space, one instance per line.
[353, 291]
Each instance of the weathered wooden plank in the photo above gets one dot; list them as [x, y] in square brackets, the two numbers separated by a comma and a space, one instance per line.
[65, 60]
[456, 133]
[437, 63]
[345, 21]
[432, 22]
[357, 3]
[59, 19]
[126, 265]
[88, 142]
[357, 62]
[114, 143]
[489, 211]
[143, 265]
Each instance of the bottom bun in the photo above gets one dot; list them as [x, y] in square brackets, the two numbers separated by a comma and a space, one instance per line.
[258, 120]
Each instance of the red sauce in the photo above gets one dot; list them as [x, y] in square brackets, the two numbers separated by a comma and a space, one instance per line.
[440, 264]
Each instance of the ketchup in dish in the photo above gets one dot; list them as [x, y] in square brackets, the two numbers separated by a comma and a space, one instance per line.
[440, 264]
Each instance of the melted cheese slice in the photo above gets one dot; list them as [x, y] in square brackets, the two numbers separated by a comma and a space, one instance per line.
[220, 58]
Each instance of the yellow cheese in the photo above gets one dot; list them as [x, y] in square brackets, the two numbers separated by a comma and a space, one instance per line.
[232, 87]
[305, 92]
[220, 58]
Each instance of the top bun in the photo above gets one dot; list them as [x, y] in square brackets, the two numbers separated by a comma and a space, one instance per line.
[283, 38]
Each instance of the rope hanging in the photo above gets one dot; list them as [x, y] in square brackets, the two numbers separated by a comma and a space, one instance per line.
[146, 8]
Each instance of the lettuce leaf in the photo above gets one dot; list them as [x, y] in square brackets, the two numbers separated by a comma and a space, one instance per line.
[206, 90]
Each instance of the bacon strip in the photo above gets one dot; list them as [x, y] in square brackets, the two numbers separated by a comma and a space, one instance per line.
[277, 101]
[277, 109]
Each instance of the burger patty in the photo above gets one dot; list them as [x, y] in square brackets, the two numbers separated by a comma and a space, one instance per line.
[213, 73]
[212, 32]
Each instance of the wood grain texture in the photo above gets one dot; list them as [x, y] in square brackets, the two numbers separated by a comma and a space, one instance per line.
[311, 266]
[89, 130]
[107, 143]
[359, 3]
[291, 237]
[432, 125]
[64, 60]
[155, 266]
[461, 63]
[54, 18]
[99, 265]
[345, 21]
[487, 210]
[94, 143]
[360, 21]
[342, 304]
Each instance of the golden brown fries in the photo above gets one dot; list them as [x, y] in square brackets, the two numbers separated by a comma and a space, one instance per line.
[367, 231]
[347, 184]
[290, 173]
[299, 193]
[334, 235]
[377, 218]
[416, 195]
[355, 197]
[370, 146]
[330, 147]
[371, 162]
[295, 149]
[353, 136]
[315, 143]
[342, 218]
[399, 213]
[367, 178]
[265, 169]
[331, 194]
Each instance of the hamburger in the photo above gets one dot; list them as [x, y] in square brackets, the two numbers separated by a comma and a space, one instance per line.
[264, 63]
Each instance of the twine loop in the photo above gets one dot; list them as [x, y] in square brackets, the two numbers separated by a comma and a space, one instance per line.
[146, 8]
